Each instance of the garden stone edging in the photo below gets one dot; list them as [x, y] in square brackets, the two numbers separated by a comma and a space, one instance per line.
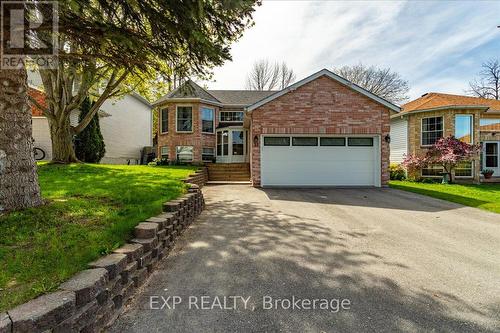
[92, 299]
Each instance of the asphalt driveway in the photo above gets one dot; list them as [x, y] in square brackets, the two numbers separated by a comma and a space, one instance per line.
[399, 261]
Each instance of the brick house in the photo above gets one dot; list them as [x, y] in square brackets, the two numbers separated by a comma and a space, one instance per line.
[434, 115]
[321, 131]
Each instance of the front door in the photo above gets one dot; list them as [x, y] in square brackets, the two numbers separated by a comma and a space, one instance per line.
[491, 157]
[231, 145]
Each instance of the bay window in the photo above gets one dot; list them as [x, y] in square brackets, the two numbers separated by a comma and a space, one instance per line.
[463, 127]
[207, 120]
[184, 119]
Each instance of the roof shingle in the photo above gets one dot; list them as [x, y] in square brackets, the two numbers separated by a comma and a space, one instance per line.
[435, 100]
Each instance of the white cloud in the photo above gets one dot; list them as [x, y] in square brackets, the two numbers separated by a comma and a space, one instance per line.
[435, 45]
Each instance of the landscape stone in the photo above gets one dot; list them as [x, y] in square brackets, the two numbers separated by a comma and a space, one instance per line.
[86, 284]
[43, 313]
[5, 323]
[132, 251]
[114, 263]
[146, 230]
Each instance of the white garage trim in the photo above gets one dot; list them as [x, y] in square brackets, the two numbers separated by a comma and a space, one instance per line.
[316, 166]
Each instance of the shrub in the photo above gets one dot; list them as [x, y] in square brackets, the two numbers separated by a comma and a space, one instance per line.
[397, 172]
[89, 143]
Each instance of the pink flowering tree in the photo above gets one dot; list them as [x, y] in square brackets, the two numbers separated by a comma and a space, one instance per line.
[447, 152]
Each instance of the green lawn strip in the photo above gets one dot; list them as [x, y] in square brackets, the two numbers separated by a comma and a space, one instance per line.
[483, 196]
[90, 210]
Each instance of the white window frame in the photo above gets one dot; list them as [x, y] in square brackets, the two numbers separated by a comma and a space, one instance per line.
[213, 119]
[203, 153]
[471, 171]
[230, 121]
[471, 116]
[422, 129]
[161, 120]
[162, 150]
[176, 118]
[435, 176]
[496, 121]
[177, 154]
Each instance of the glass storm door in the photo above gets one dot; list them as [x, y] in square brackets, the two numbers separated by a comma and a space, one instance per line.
[231, 147]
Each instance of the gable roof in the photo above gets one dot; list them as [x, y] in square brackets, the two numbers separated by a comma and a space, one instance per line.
[190, 89]
[432, 101]
[333, 76]
[240, 97]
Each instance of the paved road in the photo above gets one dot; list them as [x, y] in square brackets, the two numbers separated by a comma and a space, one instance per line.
[404, 262]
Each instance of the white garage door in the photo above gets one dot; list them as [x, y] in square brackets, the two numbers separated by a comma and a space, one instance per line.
[320, 161]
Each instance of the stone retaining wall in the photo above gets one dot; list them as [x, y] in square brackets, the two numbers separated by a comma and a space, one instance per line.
[93, 298]
[200, 177]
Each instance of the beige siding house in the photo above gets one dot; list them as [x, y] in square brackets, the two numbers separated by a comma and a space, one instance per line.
[435, 115]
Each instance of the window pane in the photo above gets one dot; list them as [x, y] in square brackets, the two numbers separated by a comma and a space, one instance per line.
[360, 141]
[207, 120]
[184, 153]
[231, 116]
[489, 124]
[432, 130]
[304, 141]
[463, 128]
[184, 119]
[276, 141]
[164, 152]
[464, 169]
[332, 141]
[219, 143]
[491, 148]
[237, 142]
[491, 161]
[432, 170]
[164, 120]
[207, 154]
[225, 143]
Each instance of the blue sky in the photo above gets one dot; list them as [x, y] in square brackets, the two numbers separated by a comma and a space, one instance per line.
[435, 45]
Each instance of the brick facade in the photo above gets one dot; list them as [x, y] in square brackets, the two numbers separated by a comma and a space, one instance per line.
[415, 132]
[195, 138]
[322, 106]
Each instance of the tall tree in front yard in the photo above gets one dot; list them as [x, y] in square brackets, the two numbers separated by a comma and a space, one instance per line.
[18, 178]
[447, 152]
[109, 47]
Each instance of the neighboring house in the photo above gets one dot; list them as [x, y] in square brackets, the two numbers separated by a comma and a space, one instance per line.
[126, 126]
[434, 115]
[320, 131]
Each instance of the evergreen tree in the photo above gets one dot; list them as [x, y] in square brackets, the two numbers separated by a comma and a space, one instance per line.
[89, 143]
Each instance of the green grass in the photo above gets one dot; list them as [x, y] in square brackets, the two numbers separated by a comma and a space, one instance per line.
[483, 196]
[90, 210]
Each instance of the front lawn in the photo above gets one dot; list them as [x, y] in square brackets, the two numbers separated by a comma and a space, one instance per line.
[90, 210]
[483, 196]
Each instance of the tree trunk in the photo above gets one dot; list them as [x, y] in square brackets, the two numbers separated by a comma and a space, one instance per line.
[62, 142]
[18, 177]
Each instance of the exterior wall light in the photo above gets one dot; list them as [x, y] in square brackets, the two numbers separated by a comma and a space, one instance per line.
[255, 141]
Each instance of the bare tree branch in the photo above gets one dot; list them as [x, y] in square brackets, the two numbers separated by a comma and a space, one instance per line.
[488, 83]
[380, 81]
[265, 75]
